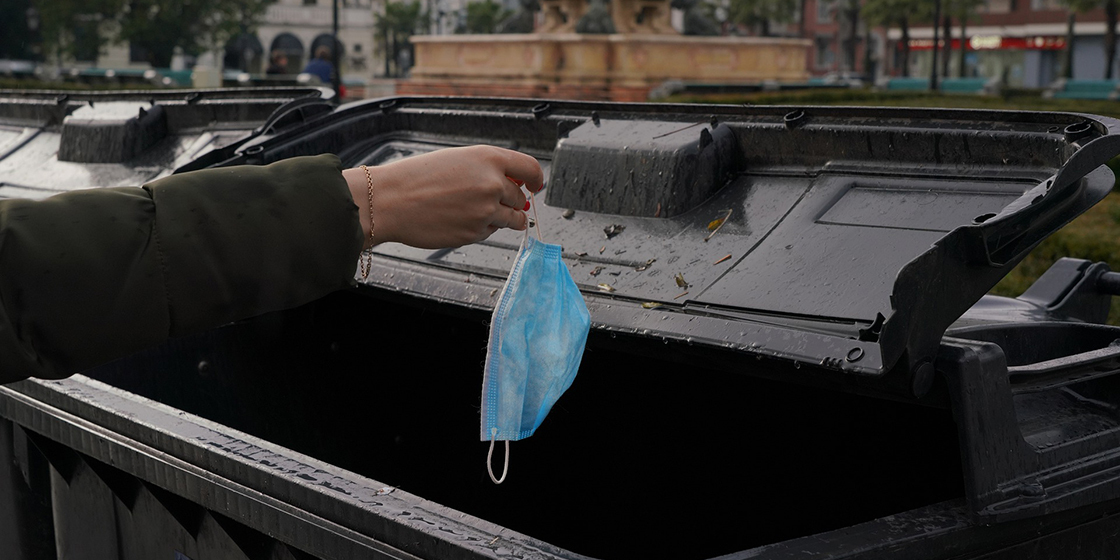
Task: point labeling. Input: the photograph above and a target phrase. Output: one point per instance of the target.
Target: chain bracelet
(367, 254)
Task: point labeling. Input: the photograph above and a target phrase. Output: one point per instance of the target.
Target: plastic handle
(1066, 370)
(1005, 237)
(1109, 283)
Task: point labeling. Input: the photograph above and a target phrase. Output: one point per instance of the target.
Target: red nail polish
(526, 205)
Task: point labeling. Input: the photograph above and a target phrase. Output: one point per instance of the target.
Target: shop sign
(996, 42)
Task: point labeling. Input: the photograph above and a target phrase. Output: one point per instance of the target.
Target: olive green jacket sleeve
(94, 275)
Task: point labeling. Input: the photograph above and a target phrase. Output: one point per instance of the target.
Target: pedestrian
(321, 65)
(97, 274)
(278, 63)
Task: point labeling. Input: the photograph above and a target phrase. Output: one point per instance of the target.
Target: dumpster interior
(652, 440)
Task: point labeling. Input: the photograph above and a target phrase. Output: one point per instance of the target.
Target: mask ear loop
(490, 455)
(533, 199)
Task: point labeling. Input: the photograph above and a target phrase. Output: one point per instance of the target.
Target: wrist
(359, 185)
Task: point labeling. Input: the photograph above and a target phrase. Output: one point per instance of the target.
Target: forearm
(90, 276)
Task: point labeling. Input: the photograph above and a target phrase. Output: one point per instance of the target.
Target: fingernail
(526, 205)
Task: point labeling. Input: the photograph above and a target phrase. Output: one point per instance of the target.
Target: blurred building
(843, 46)
(294, 27)
(1020, 41)
(298, 27)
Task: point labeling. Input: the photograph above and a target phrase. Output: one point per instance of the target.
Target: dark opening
(645, 456)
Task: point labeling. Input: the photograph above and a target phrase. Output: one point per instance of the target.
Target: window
(1042, 5)
(997, 7)
(87, 42)
(825, 57)
(825, 9)
(137, 53)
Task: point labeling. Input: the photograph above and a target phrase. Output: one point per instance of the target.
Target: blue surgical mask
(537, 337)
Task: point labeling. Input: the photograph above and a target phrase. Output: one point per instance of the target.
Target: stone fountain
(560, 62)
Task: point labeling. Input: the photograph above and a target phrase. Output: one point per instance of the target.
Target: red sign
(996, 42)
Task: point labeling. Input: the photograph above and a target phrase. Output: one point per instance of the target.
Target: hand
(447, 198)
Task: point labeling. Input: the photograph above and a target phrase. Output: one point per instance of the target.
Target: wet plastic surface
(769, 269)
(52, 142)
(852, 237)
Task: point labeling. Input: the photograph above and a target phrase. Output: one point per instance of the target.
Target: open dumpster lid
(841, 238)
(853, 236)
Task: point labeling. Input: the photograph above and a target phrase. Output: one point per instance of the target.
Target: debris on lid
(615, 273)
(679, 278)
(722, 259)
(613, 230)
(601, 249)
(493, 292)
(584, 254)
(604, 287)
(532, 222)
(679, 296)
(568, 214)
(652, 305)
(596, 271)
(715, 225)
(647, 264)
(657, 214)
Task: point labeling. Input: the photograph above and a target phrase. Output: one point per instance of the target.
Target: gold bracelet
(367, 254)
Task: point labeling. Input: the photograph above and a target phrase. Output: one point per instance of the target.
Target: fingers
(525, 169)
(509, 218)
(512, 195)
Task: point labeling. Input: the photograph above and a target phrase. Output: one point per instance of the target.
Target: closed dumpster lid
(54, 141)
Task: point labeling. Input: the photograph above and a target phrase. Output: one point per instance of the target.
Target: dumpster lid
(842, 238)
(54, 141)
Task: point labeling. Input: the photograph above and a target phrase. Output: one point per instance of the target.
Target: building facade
(1022, 42)
(842, 44)
(295, 28)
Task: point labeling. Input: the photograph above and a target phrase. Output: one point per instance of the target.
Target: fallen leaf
(680, 280)
(651, 305)
(604, 287)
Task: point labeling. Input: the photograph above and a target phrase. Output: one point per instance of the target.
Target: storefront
(1031, 62)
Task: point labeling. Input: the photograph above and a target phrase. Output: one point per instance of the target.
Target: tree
(1074, 7)
(160, 26)
(848, 11)
(1111, 7)
(394, 27)
(73, 28)
(18, 31)
(947, 34)
(484, 17)
(902, 13)
(759, 14)
(963, 10)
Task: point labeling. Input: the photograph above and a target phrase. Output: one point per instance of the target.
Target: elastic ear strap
(490, 455)
(535, 218)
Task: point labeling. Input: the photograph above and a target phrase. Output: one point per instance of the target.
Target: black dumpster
(791, 354)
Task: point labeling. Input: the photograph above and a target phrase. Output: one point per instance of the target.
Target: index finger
(525, 169)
